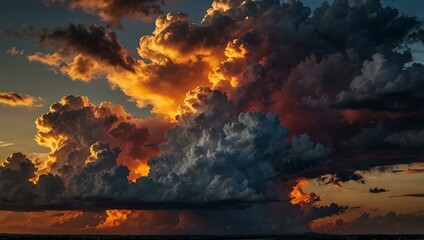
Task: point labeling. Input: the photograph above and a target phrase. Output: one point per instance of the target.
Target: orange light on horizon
(414, 171)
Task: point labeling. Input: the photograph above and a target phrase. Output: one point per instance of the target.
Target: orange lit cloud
(300, 197)
(74, 124)
(19, 100)
(49, 222)
(79, 67)
(114, 218)
(180, 61)
(68, 215)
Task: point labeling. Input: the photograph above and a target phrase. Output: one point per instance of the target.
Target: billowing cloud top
(213, 158)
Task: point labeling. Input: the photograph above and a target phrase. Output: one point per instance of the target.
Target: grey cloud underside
(385, 86)
(348, 168)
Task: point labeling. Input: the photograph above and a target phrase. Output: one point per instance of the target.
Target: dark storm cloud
(332, 209)
(349, 166)
(18, 193)
(15, 173)
(279, 218)
(385, 86)
(342, 176)
(93, 41)
(74, 124)
(326, 67)
(113, 11)
(81, 52)
(213, 158)
(215, 154)
(347, 175)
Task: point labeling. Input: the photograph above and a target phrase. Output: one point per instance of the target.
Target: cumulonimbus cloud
(352, 70)
(236, 50)
(74, 124)
(213, 158)
(258, 93)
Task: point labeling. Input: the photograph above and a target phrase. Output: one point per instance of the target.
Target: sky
(211, 117)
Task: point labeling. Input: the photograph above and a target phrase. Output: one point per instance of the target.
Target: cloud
(413, 171)
(5, 144)
(385, 86)
(239, 168)
(391, 223)
(212, 158)
(278, 219)
(222, 156)
(342, 176)
(236, 48)
(101, 177)
(85, 53)
(418, 195)
(114, 218)
(256, 95)
(407, 138)
(113, 11)
(73, 124)
(15, 186)
(299, 196)
(304, 149)
(19, 100)
(385, 136)
(13, 51)
(81, 52)
(377, 190)
(49, 222)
